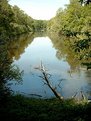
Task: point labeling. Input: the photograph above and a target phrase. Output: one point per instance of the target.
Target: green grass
(20, 108)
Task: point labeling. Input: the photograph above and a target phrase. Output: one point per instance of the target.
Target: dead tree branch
(45, 76)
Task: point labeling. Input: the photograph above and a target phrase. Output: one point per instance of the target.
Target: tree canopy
(74, 23)
(14, 21)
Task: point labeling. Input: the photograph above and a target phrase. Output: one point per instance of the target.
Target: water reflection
(66, 49)
(19, 44)
(8, 71)
(58, 58)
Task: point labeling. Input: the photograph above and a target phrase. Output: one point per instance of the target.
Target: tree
(74, 23)
(8, 72)
(13, 21)
(39, 25)
(6, 17)
(86, 2)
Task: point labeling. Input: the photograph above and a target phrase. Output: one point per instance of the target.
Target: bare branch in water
(46, 76)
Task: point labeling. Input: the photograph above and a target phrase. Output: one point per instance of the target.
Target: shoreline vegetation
(74, 23)
(21, 108)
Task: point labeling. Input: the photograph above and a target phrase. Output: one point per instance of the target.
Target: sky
(40, 9)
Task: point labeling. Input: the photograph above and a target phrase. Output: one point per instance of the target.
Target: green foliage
(74, 22)
(8, 72)
(22, 22)
(13, 21)
(21, 108)
(74, 18)
(39, 25)
(6, 17)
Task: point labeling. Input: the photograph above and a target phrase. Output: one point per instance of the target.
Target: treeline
(74, 22)
(74, 18)
(13, 21)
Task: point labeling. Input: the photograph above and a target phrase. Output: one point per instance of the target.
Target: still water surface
(42, 49)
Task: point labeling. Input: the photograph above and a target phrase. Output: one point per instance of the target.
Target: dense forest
(14, 21)
(72, 27)
(74, 23)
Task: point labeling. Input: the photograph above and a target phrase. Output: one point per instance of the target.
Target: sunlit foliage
(74, 23)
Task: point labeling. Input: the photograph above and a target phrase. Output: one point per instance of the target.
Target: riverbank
(29, 109)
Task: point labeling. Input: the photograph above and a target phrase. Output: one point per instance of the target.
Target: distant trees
(22, 22)
(13, 21)
(39, 25)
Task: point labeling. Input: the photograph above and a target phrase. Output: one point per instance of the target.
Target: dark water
(29, 53)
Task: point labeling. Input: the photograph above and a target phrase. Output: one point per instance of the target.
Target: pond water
(43, 49)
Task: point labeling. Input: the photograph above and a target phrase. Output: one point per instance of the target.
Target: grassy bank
(25, 109)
